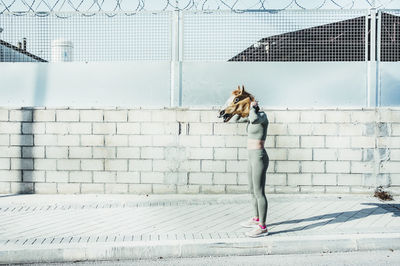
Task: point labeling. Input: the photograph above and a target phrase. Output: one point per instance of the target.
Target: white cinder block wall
(191, 151)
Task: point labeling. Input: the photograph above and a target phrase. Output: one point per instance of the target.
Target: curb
(200, 248)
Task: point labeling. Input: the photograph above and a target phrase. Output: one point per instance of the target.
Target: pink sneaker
(249, 223)
(258, 232)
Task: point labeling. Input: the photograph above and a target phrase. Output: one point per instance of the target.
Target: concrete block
(57, 176)
(92, 140)
(140, 188)
(21, 140)
(152, 178)
(116, 188)
(80, 152)
(212, 189)
(300, 129)
(20, 115)
(287, 166)
(128, 177)
(201, 129)
(395, 179)
(57, 128)
(363, 116)
(362, 167)
(23, 188)
(325, 130)
(57, 152)
(115, 165)
(227, 129)
(324, 179)
(45, 140)
(337, 117)
(128, 128)
(299, 154)
(152, 153)
(388, 167)
(10, 175)
(188, 189)
(395, 129)
(373, 180)
(165, 140)
(188, 116)
(152, 128)
(235, 141)
(225, 178)
(123, 152)
(5, 187)
(287, 142)
(80, 177)
(5, 163)
(140, 165)
(200, 153)
(236, 166)
(116, 140)
(275, 154)
(163, 115)
(68, 188)
(236, 189)
(299, 179)
(4, 140)
(69, 164)
(176, 178)
(33, 128)
(337, 189)
(337, 142)
(286, 116)
(312, 167)
(4, 114)
(337, 167)
(67, 115)
(104, 177)
(387, 115)
(80, 128)
(104, 128)
(45, 164)
(213, 141)
(92, 188)
(91, 115)
(189, 141)
(312, 117)
(210, 116)
(312, 141)
(225, 154)
(33, 176)
(189, 166)
(44, 115)
(312, 189)
(389, 142)
(91, 164)
(278, 129)
(67, 140)
(276, 179)
(7, 151)
(115, 115)
(325, 154)
(201, 178)
(138, 140)
(243, 155)
(45, 188)
(164, 189)
(362, 142)
(21, 164)
(212, 166)
(351, 129)
(349, 154)
(287, 189)
(350, 179)
(395, 154)
(10, 127)
(139, 115)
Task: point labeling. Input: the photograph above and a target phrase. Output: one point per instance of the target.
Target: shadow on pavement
(339, 217)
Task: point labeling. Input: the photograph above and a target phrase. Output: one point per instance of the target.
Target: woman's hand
(254, 104)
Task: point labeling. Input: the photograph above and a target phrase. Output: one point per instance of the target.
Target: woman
(257, 167)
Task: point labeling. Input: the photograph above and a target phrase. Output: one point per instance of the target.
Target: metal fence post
(176, 59)
(378, 60)
(372, 64)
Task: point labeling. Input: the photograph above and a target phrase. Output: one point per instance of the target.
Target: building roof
(21, 51)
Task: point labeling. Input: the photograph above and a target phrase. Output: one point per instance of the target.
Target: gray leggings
(256, 169)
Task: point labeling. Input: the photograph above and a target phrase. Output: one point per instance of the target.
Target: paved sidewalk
(54, 228)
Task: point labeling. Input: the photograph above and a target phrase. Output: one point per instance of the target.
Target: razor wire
(129, 7)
